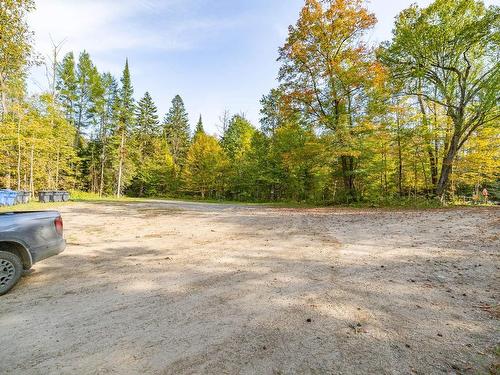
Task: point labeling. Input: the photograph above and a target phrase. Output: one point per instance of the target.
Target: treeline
(414, 117)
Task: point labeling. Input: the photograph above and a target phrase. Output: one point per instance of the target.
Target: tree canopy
(416, 117)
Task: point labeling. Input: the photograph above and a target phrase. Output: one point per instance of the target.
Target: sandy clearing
(186, 288)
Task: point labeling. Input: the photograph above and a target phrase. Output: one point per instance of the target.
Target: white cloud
(110, 25)
(112, 29)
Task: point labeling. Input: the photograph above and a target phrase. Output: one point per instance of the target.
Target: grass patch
(81, 196)
(404, 203)
(34, 206)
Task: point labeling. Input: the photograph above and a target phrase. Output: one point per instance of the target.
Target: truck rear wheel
(11, 270)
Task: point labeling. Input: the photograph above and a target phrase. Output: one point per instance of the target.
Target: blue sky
(216, 54)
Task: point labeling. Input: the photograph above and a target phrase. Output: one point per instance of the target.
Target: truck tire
(11, 270)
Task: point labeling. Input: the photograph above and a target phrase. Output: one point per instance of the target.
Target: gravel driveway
(164, 287)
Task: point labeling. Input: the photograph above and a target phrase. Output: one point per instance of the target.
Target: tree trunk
(385, 173)
(447, 166)
(400, 158)
(19, 154)
(433, 165)
(348, 176)
(58, 157)
(430, 150)
(141, 158)
(120, 166)
(32, 183)
(3, 94)
(103, 161)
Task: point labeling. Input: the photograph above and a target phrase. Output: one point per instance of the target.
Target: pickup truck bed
(25, 239)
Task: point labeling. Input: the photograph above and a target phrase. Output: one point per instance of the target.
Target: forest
(416, 117)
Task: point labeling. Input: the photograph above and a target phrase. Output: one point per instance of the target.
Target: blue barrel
(3, 197)
(9, 197)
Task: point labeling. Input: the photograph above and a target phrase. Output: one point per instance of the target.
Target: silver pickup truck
(25, 239)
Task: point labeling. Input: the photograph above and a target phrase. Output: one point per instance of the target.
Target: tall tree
(204, 163)
(147, 135)
(272, 111)
(15, 48)
(328, 72)
(97, 118)
(146, 117)
(176, 127)
(199, 128)
(107, 124)
(86, 74)
(15, 58)
(238, 136)
(236, 143)
(125, 121)
(447, 54)
(67, 86)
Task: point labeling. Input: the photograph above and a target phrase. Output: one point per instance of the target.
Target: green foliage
(329, 74)
(205, 162)
(125, 117)
(236, 139)
(126, 100)
(347, 124)
(146, 118)
(176, 128)
(447, 55)
(15, 50)
(37, 147)
(199, 128)
(67, 86)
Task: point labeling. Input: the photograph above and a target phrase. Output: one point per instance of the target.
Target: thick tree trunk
(348, 176)
(433, 165)
(430, 150)
(447, 166)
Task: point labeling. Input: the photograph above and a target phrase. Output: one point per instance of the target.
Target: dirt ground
(191, 288)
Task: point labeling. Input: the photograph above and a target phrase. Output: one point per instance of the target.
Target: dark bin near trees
(23, 197)
(65, 196)
(8, 197)
(57, 196)
(45, 196)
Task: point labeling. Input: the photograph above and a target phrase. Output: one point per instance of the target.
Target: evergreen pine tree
(84, 77)
(176, 127)
(199, 128)
(66, 85)
(147, 123)
(125, 121)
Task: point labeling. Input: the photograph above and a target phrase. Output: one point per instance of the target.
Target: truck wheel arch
(18, 249)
